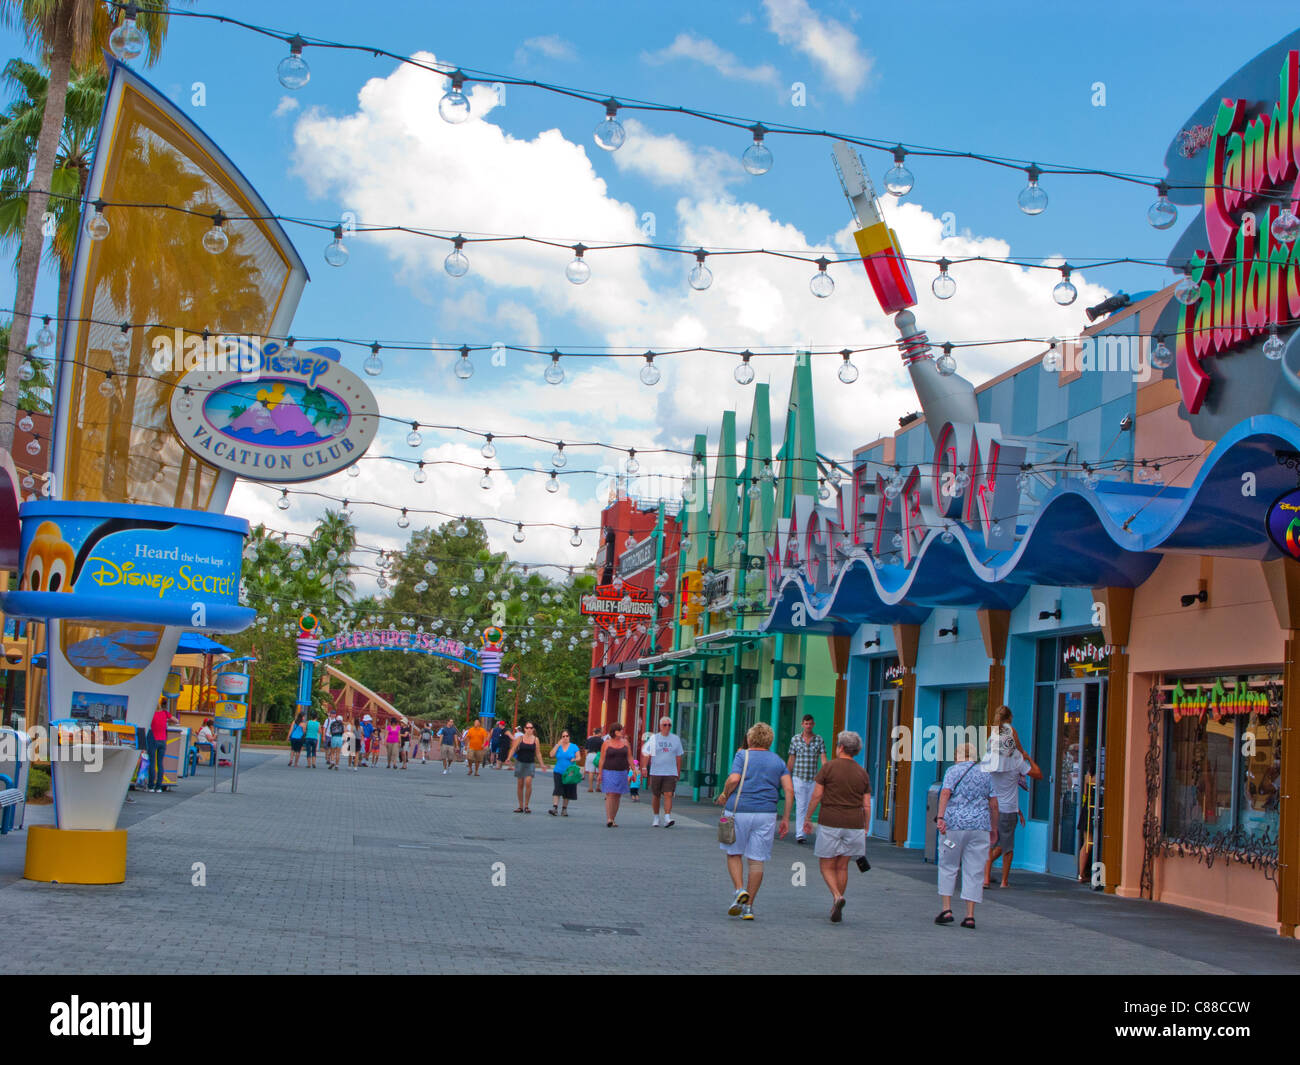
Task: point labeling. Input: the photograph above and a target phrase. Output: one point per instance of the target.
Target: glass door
(884, 769)
(709, 779)
(1077, 779)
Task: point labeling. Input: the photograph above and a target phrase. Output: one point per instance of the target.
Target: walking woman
(564, 754)
(527, 753)
(297, 734)
(615, 761)
(392, 740)
(967, 822)
(310, 739)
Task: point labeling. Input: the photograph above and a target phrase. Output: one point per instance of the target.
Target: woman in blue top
(757, 775)
(313, 736)
(296, 735)
(967, 822)
(564, 753)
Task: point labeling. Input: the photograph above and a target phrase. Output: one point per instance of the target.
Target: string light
(898, 179)
(700, 277)
(633, 467)
(650, 373)
(485, 482)
(126, 41)
(293, 70)
(1161, 357)
(97, 227)
(419, 475)
(461, 530)
(336, 252)
(848, 373)
(610, 134)
(558, 458)
(403, 522)
(518, 535)
(457, 262)
(1273, 346)
(578, 272)
(744, 372)
(488, 451)
(576, 539)
(374, 365)
(413, 438)
(945, 363)
(1187, 291)
(1065, 293)
(1286, 226)
(822, 284)
(215, 240)
(454, 105)
(283, 502)
(552, 485)
(464, 368)
(1032, 199)
(757, 158)
(1162, 214)
(943, 286)
(46, 335)
(555, 372)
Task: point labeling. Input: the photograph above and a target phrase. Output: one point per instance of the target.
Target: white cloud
(668, 160)
(831, 45)
(389, 161)
(286, 106)
(702, 50)
(552, 46)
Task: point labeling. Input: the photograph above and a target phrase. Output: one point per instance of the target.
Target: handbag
(572, 774)
(727, 825)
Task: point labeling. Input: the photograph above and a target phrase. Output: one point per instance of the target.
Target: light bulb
(823, 491)
(633, 466)
(413, 438)
(650, 373)
(960, 480)
(744, 372)
(373, 365)
(382, 581)
(518, 535)
(1090, 478)
(353, 471)
(1162, 214)
(127, 42)
(898, 179)
(552, 484)
(555, 372)
(822, 284)
(610, 134)
(293, 70)
(558, 458)
(283, 502)
(336, 252)
(575, 540)
(758, 156)
(461, 530)
(186, 403)
(945, 363)
(97, 227)
(700, 277)
(419, 475)
(688, 492)
(107, 388)
(121, 343)
(943, 286)
(431, 568)
(754, 490)
(848, 373)
(1032, 199)
(25, 423)
(485, 482)
(1161, 357)
(454, 105)
(1065, 293)
(893, 488)
(26, 371)
(215, 240)
(1023, 481)
(46, 336)
(578, 272)
(1286, 226)
(403, 522)
(947, 535)
(464, 368)
(1274, 345)
(457, 262)
(1187, 291)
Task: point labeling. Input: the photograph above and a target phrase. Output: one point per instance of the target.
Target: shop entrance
(1077, 778)
(884, 769)
(708, 779)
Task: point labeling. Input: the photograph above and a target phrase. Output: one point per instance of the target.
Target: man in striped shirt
(807, 755)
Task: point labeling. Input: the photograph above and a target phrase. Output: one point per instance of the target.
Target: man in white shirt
(665, 769)
(1007, 772)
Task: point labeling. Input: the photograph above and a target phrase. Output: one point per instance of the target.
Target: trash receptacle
(931, 829)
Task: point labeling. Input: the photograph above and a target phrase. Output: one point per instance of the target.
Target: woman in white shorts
(843, 791)
(750, 796)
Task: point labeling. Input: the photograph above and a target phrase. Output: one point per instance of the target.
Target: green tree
(69, 34)
(37, 393)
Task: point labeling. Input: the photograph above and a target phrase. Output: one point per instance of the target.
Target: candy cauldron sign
(295, 416)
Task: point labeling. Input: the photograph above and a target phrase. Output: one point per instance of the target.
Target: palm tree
(19, 127)
(69, 33)
(38, 393)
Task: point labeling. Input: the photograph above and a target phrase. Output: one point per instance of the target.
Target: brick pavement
(390, 871)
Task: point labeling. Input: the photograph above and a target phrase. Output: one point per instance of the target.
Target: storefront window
(961, 709)
(1223, 758)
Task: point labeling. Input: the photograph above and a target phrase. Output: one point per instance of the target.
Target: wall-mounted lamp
(1048, 615)
(950, 632)
(871, 643)
(1199, 597)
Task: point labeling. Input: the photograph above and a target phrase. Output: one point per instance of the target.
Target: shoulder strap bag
(727, 825)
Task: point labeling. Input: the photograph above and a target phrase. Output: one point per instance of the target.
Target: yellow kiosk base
(75, 856)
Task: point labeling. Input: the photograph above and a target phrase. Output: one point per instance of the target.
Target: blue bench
(10, 797)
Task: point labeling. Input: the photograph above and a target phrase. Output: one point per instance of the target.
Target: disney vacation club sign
(285, 415)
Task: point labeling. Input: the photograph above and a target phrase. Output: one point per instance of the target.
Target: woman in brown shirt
(842, 789)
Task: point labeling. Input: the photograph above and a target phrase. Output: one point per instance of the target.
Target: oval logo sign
(283, 415)
(1283, 523)
(232, 683)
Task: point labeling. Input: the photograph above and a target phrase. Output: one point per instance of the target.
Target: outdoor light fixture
(758, 156)
(822, 284)
(950, 632)
(1201, 596)
(1049, 615)
(1126, 424)
(871, 643)
(700, 277)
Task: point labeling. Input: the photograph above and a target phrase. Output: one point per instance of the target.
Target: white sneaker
(669, 822)
(656, 824)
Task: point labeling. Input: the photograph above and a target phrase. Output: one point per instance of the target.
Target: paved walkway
(390, 871)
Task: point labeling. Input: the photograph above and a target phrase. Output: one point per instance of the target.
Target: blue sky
(1006, 79)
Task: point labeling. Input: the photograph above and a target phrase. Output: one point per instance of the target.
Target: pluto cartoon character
(50, 561)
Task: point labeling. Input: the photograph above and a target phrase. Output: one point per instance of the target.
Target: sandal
(527, 810)
(968, 922)
(564, 813)
(519, 809)
(609, 824)
(553, 812)
(944, 918)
